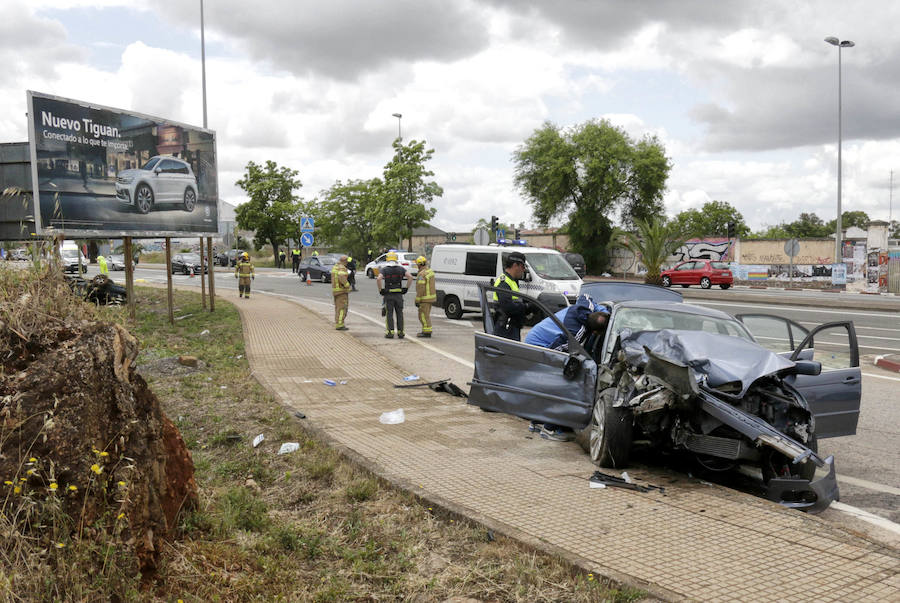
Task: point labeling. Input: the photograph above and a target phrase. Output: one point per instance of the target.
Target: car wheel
(607, 438)
(724, 286)
(143, 198)
(666, 281)
(185, 270)
(705, 283)
(685, 286)
(452, 307)
(369, 273)
(190, 199)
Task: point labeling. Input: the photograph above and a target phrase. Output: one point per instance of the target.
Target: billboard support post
(169, 280)
(202, 278)
(129, 277)
(212, 280)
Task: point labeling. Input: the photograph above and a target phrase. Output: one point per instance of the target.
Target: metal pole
(891, 201)
(837, 230)
(129, 277)
(169, 297)
(212, 280)
(202, 277)
(203, 60)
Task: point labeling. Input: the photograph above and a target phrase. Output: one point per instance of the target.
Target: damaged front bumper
(812, 496)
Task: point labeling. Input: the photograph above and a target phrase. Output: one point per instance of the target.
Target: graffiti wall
(712, 248)
(813, 252)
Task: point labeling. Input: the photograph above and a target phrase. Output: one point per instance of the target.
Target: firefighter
(104, 267)
(425, 295)
(243, 271)
(391, 277)
(340, 289)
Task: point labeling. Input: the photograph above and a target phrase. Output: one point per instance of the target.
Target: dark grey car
(687, 378)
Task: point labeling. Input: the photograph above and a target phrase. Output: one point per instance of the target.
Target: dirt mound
(74, 413)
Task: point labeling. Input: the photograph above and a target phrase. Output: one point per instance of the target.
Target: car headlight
(125, 179)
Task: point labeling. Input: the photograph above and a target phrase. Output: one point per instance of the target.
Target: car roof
(675, 307)
(616, 291)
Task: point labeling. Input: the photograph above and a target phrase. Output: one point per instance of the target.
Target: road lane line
(875, 520)
(881, 376)
(794, 308)
(864, 483)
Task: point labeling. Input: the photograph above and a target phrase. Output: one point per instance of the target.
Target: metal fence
(894, 271)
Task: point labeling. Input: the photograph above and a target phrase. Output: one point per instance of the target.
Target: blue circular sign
(306, 239)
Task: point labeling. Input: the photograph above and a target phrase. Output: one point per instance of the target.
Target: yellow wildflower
(104, 454)
(32, 460)
(120, 516)
(29, 472)
(17, 490)
(96, 468)
(8, 483)
(60, 545)
(73, 488)
(120, 484)
(54, 485)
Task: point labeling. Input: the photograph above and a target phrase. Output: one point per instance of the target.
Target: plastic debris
(343, 382)
(299, 415)
(411, 378)
(223, 387)
(596, 484)
(329, 382)
(204, 332)
(627, 478)
(239, 356)
(614, 481)
(289, 447)
(258, 440)
(392, 417)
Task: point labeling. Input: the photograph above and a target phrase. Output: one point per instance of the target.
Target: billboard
(104, 172)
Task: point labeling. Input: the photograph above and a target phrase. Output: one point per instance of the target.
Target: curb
(890, 363)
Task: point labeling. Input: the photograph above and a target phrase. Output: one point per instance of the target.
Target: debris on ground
(393, 417)
(442, 385)
(604, 480)
(289, 447)
(258, 440)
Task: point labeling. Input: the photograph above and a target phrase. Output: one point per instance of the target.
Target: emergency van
(459, 268)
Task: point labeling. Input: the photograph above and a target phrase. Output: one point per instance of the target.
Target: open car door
(529, 381)
(834, 395)
(775, 333)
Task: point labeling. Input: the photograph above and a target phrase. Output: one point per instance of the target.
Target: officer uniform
(426, 295)
(351, 268)
(295, 259)
(243, 271)
(511, 309)
(340, 289)
(281, 258)
(393, 288)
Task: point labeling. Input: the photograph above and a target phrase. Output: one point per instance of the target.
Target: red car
(705, 273)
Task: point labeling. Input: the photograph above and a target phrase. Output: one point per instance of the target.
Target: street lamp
(398, 116)
(837, 231)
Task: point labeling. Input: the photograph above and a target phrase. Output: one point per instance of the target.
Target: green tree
(894, 229)
(588, 173)
(770, 232)
(652, 242)
(347, 215)
(859, 219)
(272, 209)
(712, 220)
(807, 225)
(406, 192)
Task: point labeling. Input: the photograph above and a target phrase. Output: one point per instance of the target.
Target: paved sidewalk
(696, 541)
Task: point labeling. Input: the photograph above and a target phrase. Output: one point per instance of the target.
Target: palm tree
(653, 241)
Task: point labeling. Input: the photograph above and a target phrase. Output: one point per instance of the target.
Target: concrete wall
(814, 252)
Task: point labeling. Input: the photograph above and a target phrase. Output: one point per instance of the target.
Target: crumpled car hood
(721, 358)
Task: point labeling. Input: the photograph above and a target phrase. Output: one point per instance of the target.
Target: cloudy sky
(742, 94)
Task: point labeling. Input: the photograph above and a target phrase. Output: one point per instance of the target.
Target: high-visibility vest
(244, 269)
(425, 289)
(104, 268)
(339, 282)
(513, 285)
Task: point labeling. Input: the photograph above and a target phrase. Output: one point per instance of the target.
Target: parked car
(318, 266)
(228, 258)
(188, 263)
(162, 180)
(116, 262)
(576, 261)
(705, 273)
(70, 257)
(687, 379)
(404, 258)
(19, 255)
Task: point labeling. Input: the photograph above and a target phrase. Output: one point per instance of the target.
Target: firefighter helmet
(391, 256)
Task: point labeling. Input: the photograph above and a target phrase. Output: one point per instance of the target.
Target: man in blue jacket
(581, 319)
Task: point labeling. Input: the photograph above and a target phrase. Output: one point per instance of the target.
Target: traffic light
(494, 227)
(731, 229)
(517, 235)
(451, 236)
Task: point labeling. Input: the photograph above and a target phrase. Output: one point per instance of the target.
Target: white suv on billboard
(160, 180)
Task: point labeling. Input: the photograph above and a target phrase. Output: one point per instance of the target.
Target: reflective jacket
(340, 282)
(509, 306)
(425, 291)
(243, 269)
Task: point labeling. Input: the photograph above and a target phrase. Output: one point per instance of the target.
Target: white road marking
(864, 483)
(794, 308)
(881, 376)
(875, 520)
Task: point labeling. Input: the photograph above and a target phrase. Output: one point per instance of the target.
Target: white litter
(289, 447)
(392, 417)
(627, 478)
(596, 485)
(239, 356)
(204, 332)
(223, 387)
(343, 383)
(258, 440)
(411, 378)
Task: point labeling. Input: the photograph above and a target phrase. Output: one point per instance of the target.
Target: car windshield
(645, 319)
(70, 254)
(191, 257)
(327, 260)
(551, 266)
(720, 265)
(151, 164)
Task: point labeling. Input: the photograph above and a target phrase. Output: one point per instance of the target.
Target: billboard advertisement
(106, 172)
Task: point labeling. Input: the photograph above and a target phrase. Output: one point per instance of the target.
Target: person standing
(511, 309)
(340, 289)
(295, 260)
(390, 285)
(281, 258)
(351, 269)
(104, 267)
(243, 271)
(426, 295)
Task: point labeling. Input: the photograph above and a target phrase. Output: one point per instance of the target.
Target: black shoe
(342, 328)
(400, 335)
(388, 335)
(423, 335)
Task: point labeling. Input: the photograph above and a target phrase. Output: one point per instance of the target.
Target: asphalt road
(868, 464)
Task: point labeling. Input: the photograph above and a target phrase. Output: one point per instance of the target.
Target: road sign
(307, 224)
(482, 237)
(501, 234)
(792, 247)
(306, 239)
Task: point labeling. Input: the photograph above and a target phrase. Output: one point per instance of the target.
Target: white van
(459, 268)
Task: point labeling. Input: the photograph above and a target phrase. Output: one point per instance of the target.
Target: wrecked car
(686, 378)
(99, 290)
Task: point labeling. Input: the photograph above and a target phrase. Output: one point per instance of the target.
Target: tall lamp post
(399, 135)
(837, 231)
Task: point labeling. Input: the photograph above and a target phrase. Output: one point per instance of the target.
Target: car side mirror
(807, 367)
(157, 171)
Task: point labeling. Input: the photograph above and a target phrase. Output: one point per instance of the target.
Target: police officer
(243, 271)
(340, 289)
(511, 309)
(390, 284)
(426, 295)
(295, 259)
(281, 258)
(351, 268)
